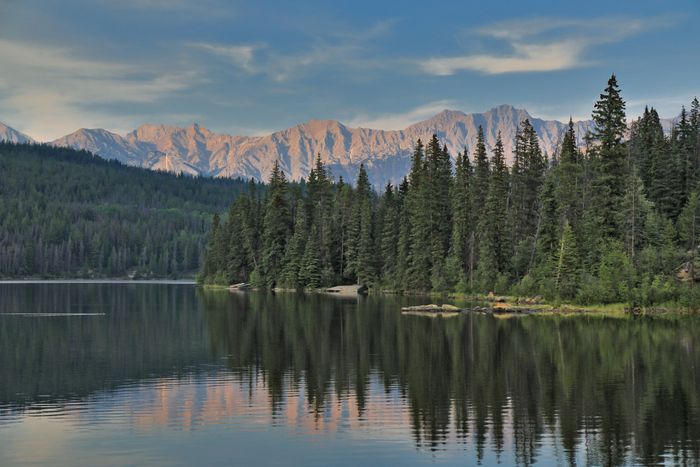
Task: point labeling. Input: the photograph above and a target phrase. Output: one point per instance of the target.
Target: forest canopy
(67, 213)
(613, 219)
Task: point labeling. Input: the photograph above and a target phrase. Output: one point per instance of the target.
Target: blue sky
(255, 67)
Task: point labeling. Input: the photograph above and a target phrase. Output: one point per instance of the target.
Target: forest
(67, 213)
(612, 216)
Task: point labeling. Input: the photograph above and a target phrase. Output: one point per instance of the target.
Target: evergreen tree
(569, 188)
(482, 173)
(296, 248)
(548, 219)
(493, 229)
(610, 155)
(390, 235)
(682, 145)
(437, 204)
(634, 209)
(276, 227)
(460, 250)
(360, 264)
(310, 272)
(404, 236)
(420, 242)
(567, 264)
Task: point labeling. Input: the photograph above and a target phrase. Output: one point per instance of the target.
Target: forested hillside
(67, 213)
(611, 222)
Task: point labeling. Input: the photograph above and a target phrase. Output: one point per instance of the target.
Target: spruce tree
(296, 248)
(548, 223)
(310, 272)
(493, 229)
(569, 183)
(567, 264)
(437, 205)
(276, 227)
(390, 235)
(360, 233)
(610, 126)
(418, 273)
(458, 260)
(404, 236)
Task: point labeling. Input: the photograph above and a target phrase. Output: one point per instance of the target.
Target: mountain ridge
(13, 136)
(195, 150)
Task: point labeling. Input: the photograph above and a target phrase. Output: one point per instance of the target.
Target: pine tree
(319, 207)
(211, 258)
(296, 248)
(482, 173)
(569, 183)
(276, 227)
(682, 145)
(390, 235)
(360, 232)
(634, 209)
(366, 271)
(437, 204)
(695, 133)
(419, 255)
(610, 127)
(493, 229)
(548, 220)
(458, 260)
(404, 237)
(527, 175)
(567, 264)
(310, 272)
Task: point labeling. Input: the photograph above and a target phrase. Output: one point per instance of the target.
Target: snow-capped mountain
(386, 153)
(12, 135)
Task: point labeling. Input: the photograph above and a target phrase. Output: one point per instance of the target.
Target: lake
(169, 374)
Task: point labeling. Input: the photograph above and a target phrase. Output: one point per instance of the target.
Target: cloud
(336, 50)
(400, 121)
(50, 90)
(525, 58)
(240, 55)
(540, 44)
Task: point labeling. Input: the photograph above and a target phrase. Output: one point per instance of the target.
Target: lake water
(167, 374)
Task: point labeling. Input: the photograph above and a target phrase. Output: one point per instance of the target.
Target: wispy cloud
(240, 55)
(540, 44)
(50, 90)
(337, 50)
(401, 120)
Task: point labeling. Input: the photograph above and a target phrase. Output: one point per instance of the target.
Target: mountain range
(386, 153)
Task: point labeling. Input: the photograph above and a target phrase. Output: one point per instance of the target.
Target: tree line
(67, 213)
(605, 219)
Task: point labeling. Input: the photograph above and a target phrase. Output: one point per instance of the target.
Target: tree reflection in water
(622, 389)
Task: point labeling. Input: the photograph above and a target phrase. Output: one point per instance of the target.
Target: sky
(258, 66)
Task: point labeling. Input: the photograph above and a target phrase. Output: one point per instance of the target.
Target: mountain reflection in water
(166, 360)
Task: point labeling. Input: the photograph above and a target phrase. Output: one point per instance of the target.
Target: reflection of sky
(223, 419)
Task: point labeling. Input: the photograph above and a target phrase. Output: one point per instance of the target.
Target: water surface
(167, 374)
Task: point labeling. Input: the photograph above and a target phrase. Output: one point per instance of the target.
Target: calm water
(166, 374)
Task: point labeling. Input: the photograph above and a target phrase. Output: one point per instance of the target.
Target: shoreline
(516, 305)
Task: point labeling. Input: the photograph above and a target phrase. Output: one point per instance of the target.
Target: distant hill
(68, 213)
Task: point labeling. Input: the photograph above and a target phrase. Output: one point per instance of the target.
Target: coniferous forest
(67, 213)
(612, 216)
